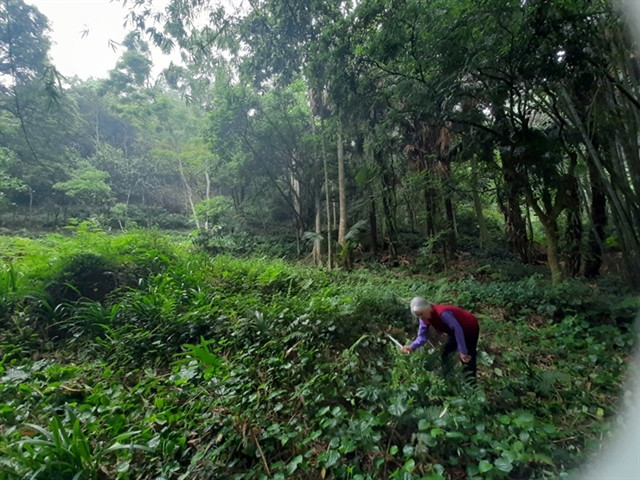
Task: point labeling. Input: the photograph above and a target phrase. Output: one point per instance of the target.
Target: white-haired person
(460, 326)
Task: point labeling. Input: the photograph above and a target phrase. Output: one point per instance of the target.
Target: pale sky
(91, 55)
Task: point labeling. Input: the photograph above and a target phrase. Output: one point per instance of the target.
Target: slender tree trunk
(207, 193)
(345, 253)
(573, 238)
(317, 244)
(452, 246)
(189, 193)
(317, 202)
(30, 202)
(550, 226)
(373, 223)
(295, 189)
(327, 201)
(388, 211)
(430, 211)
(207, 186)
(593, 257)
(529, 230)
(334, 217)
(477, 205)
(342, 194)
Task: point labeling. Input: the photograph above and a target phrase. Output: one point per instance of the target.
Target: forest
(200, 267)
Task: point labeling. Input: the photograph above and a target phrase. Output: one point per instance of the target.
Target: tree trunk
(327, 201)
(317, 244)
(548, 207)
(30, 203)
(342, 194)
(207, 189)
(515, 227)
(477, 206)
(452, 246)
(573, 231)
(373, 223)
(345, 246)
(573, 238)
(550, 226)
(593, 257)
(389, 217)
(430, 207)
(387, 200)
(189, 193)
(295, 193)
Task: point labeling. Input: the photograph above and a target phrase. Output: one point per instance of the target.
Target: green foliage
(8, 183)
(216, 212)
(214, 242)
(87, 185)
(533, 296)
(64, 451)
(222, 367)
(242, 244)
(85, 275)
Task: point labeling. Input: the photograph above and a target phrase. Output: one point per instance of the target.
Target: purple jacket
(450, 320)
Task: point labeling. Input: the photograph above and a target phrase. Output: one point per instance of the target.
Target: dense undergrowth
(139, 357)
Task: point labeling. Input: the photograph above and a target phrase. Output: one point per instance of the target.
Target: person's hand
(406, 349)
(465, 358)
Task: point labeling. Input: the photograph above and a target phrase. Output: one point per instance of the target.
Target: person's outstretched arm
(421, 338)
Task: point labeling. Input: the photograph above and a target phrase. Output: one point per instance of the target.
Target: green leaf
(122, 467)
(397, 409)
(503, 465)
(524, 417)
(129, 446)
(332, 458)
(504, 419)
(409, 465)
(5, 409)
(323, 410)
(293, 464)
(484, 466)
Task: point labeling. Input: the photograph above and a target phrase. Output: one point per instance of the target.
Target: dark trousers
(451, 347)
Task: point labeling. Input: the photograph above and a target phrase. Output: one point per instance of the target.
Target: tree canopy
(450, 120)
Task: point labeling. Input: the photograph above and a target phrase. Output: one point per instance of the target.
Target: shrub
(87, 275)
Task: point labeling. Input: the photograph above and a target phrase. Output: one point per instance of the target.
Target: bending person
(461, 327)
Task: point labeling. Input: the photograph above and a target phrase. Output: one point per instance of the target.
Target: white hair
(419, 304)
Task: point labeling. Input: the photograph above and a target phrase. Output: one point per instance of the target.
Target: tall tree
(39, 124)
(25, 70)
